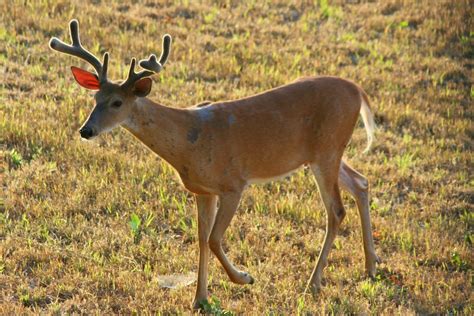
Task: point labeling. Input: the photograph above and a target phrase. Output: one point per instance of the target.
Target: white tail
(368, 119)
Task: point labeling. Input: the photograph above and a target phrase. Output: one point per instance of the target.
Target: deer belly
(269, 179)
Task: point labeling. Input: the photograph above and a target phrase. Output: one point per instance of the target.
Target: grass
(86, 227)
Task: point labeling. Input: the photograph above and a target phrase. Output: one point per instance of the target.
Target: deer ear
(85, 78)
(142, 87)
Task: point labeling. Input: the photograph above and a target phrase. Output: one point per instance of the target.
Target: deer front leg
(206, 206)
(228, 206)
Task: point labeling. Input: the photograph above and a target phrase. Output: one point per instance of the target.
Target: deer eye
(116, 104)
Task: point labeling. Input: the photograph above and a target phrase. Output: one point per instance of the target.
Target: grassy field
(87, 227)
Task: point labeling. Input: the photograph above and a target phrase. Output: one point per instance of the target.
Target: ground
(87, 227)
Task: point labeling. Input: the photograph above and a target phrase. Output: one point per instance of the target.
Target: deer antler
(151, 65)
(76, 49)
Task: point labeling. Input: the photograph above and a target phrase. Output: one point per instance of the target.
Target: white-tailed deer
(220, 148)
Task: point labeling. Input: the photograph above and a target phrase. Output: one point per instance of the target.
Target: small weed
(404, 162)
(467, 39)
(382, 210)
(368, 289)
(16, 158)
(148, 270)
(405, 241)
(260, 208)
(25, 299)
(7, 37)
(403, 24)
(301, 305)
(338, 306)
(328, 11)
(467, 218)
(3, 33)
(469, 238)
(44, 233)
(214, 308)
(211, 16)
(135, 227)
(458, 262)
(25, 221)
(138, 225)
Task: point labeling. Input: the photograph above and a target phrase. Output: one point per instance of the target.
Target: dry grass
(65, 241)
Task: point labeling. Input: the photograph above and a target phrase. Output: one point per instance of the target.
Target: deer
(220, 148)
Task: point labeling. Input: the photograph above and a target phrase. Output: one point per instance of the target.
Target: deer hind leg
(228, 206)
(207, 206)
(358, 186)
(326, 177)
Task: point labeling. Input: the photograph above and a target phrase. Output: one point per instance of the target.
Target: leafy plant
(138, 225)
(328, 11)
(458, 262)
(214, 307)
(16, 158)
(405, 162)
(135, 227)
(403, 24)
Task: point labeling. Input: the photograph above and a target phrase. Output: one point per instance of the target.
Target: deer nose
(86, 132)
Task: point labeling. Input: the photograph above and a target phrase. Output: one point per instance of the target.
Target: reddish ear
(85, 78)
(142, 87)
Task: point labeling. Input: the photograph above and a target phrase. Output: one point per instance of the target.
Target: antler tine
(76, 49)
(134, 76)
(166, 49)
(151, 63)
(105, 65)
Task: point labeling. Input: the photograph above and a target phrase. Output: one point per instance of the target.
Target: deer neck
(162, 129)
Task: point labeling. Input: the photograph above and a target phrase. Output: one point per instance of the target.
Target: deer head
(113, 101)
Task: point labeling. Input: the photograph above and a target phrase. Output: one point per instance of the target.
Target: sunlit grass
(87, 227)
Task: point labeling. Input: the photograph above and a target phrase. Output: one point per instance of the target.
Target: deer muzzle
(87, 132)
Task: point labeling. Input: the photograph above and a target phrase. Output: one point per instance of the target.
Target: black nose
(86, 132)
